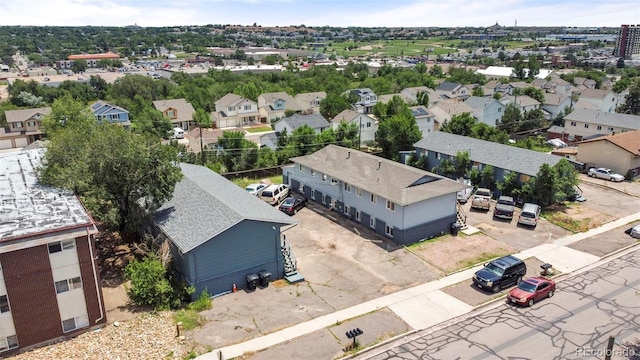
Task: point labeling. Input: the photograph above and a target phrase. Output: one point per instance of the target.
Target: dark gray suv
(500, 273)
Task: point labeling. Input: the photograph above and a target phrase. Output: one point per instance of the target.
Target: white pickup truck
(481, 199)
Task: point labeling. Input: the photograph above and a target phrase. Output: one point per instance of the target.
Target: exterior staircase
(461, 216)
(291, 273)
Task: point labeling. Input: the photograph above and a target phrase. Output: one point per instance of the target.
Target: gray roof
(315, 121)
(448, 86)
(478, 103)
(502, 156)
(420, 111)
(228, 100)
(626, 121)
(391, 180)
(290, 102)
(24, 114)
(28, 208)
(205, 204)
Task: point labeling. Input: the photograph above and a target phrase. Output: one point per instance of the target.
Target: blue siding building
(219, 233)
(110, 113)
(401, 202)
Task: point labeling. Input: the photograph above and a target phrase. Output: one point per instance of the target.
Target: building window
(610, 129)
(171, 114)
(586, 126)
(368, 124)
(347, 210)
(334, 181)
(347, 187)
(573, 123)
(11, 342)
(75, 323)
(313, 194)
(300, 168)
(247, 107)
(599, 127)
(358, 192)
(32, 123)
(4, 304)
(388, 230)
(301, 189)
(232, 108)
(374, 198)
(115, 116)
(358, 218)
(58, 246)
(16, 125)
(324, 177)
(372, 222)
(391, 205)
(69, 284)
(324, 199)
(313, 172)
(438, 156)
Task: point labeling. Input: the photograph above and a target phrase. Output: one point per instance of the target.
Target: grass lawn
(258, 129)
(277, 179)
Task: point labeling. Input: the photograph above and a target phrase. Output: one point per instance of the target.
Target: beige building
(619, 152)
(179, 111)
(23, 127)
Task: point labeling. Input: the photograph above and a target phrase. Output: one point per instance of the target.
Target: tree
(422, 98)
(478, 92)
(249, 90)
(488, 179)
(509, 184)
(534, 93)
(461, 163)
(79, 66)
(543, 190)
(396, 134)
(534, 67)
(202, 119)
(511, 118)
(566, 180)
(461, 124)
(631, 104)
(436, 71)
(620, 63)
(332, 105)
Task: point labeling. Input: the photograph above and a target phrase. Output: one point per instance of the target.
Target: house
(388, 97)
(452, 90)
(49, 277)
(310, 102)
(583, 124)
(104, 111)
(366, 100)
(523, 102)
(315, 121)
(486, 109)
(410, 95)
(235, 111)
(269, 140)
(603, 100)
(367, 124)
(556, 103)
(179, 111)
(619, 152)
(205, 138)
(219, 233)
(438, 146)
(446, 109)
(23, 127)
(398, 201)
(425, 119)
(272, 106)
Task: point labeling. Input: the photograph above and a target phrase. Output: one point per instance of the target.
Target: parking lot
(345, 264)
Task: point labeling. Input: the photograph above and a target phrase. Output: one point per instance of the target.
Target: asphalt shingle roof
(315, 121)
(626, 121)
(502, 156)
(24, 114)
(629, 141)
(205, 204)
(391, 180)
(183, 108)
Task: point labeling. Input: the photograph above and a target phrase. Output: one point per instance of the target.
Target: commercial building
(628, 42)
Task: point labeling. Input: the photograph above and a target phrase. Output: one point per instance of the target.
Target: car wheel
(612, 179)
(550, 293)
(496, 288)
(295, 211)
(518, 280)
(530, 303)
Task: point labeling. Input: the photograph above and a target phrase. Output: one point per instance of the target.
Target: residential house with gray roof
(555, 103)
(367, 124)
(272, 106)
(603, 100)
(219, 233)
(486, 109)
(400, 202)
(367, 99)
(425, 119)
(583, 124)
(438, 146)
(446, 109)
(23, 127)
(179, 111)
(113, 114)
(315, 121)
(410, 95)
(523, 102)
(235, 111)
(310, 102)
(452, 90)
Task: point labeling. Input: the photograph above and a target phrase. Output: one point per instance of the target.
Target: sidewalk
(426, 305)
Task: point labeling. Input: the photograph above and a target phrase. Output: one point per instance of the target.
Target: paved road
(574, 324)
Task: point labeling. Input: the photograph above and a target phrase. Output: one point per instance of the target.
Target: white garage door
(22, 142)
(5, 144)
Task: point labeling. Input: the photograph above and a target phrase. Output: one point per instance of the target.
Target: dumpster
(252, 281)
(455, 228)
(265, 277)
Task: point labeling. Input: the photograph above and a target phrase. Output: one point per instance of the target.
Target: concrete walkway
(426, 305)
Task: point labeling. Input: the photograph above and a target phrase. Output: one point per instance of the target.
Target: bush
(153, 285)
(202, 303)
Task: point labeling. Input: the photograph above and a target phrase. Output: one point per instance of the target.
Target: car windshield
(288, 202)
(529, 215)
(250, 189)
(494, 269)
(505, 202)
(527, 286)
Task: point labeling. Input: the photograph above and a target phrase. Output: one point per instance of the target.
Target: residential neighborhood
(265, 194)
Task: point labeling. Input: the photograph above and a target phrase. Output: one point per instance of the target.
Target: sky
(339, 13)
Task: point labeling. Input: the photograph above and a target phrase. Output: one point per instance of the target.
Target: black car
(292, 204)
(500, 273)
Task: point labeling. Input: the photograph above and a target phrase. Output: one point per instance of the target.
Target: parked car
(292, 205)
(531, 290)
(464, 194)
(274, 194)
(481, 199)
(504, 208)
(255, 189)
(634, 232)
(529, 215)
(500, 273)
(606, 174)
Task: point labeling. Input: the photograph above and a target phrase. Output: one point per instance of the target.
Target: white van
(529, 215)
(178, 133)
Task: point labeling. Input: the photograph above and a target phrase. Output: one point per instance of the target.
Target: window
(301, 189)
(388, 230)
(55, 247)
(599, 127)
(324, 199)
(10, 342)
(61, 245)
(68, 244)
(368, 124)
(324, 177)
(4, 304)
(313, 172)
(358, 192)
(573, 123)
(313, 194)
(347, 187)
(358, 218)
(75, 323)
(247, 107)
(438, 156)
(115, 116)
(391, 205)
(232, 108)
(372, 222)
(32, 123)
(374, 198)
(610, 129)
(300, 168)
(334, 181)
(69, 284)
(586, 126)
(347, 210)
(16, 125)
(171, 114)
(499, 109)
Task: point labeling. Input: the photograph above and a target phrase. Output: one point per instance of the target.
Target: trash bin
(547, 269)
(455, 228)
(265, 277)
(252, 281)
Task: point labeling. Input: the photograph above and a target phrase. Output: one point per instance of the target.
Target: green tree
(511, 118)
(543, 187)
(509, 184)
(249, 90)
(620, 63)
(152, 285)
(332, 105)
(436, 71)
(631, 104)
(566, 180)
(478, 92)
(534, 67)
(461, 124)
(79, 66)
(422, 98)
(202, 119)
(396, 134)
(488, 179)
(534, 93)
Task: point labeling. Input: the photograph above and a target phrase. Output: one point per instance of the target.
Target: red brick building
(49, 276)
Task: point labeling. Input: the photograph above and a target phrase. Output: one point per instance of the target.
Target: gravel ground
(148, 336)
